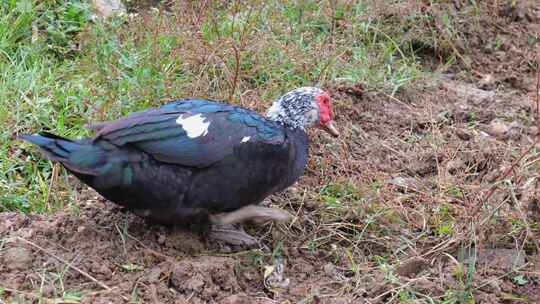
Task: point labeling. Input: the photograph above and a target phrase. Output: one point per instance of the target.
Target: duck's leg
(256, 214)
(223, 228)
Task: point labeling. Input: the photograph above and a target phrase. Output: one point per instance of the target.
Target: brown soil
(441, 145)
(105, 248)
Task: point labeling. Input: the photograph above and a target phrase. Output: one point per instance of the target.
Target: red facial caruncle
(325, 108)
(326, 113)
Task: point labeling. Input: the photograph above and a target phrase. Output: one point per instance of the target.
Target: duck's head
(303, 108)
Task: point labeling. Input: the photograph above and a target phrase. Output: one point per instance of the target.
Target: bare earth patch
(113, 257)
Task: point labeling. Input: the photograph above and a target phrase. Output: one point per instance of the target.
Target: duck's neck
(299, 143)
(292, 118)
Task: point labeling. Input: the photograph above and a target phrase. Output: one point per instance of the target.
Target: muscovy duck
(197, 160)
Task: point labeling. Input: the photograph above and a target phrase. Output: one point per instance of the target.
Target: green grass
(60, 70)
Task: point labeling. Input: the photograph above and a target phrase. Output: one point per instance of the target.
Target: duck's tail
(78, 156)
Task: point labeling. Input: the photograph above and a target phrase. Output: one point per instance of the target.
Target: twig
(391, 291)
(234, 83)
(167, 258)
(297, 215)
(122, 237)
(237, 55)
(440, 246)
(393, 98)
(54, 177)
(487, 282)
(502, 177)
(82, 272)
(517, 203)
(156, 35)
(538, 99)
(492, 213)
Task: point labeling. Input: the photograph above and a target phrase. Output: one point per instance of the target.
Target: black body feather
(147, 163)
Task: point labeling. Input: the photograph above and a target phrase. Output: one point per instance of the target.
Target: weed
(335, 195)
(131, 267)
(71, 297)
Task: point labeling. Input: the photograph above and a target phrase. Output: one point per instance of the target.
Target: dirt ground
(447, 143)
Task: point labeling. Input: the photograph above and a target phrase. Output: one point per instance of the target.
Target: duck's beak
(330, 128)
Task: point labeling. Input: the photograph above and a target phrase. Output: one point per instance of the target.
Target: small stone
(18, 258)
(425, 285)
(487, 82)
(195, 284)
(104, 270)
(250, 275)
(398, 181)
(161, 239)
(294, 190)
(412, 267)
(463, 134)
(330, 269)
(455, 165)
(533, 16)
(405, 182)
(109, 8)
(495, 285)
(311, 204)
(240, 298)
(340, 300)
(469, 92)
(153, 275)
(515, 10)
(48, 291)
(498, 128)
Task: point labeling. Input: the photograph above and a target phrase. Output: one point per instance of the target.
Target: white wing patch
(245, 139)
(274, 111)
(193, 125)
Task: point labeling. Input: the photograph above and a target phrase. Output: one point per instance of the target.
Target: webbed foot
(224, 230)
(232, 235)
